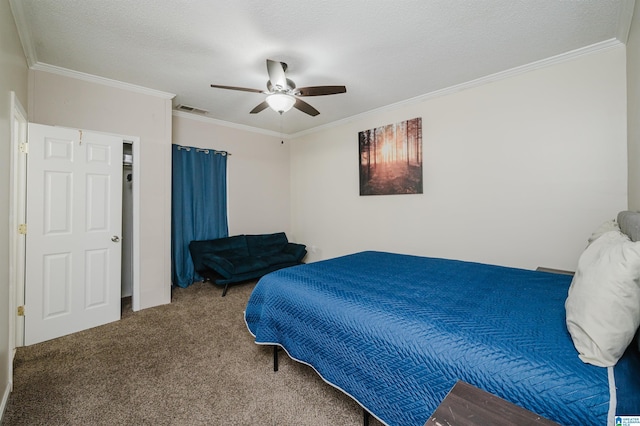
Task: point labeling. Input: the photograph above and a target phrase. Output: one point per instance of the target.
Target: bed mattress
(395, 332)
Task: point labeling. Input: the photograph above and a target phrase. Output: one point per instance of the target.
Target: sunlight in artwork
(386, 152)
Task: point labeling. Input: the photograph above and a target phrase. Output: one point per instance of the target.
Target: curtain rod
(205, 150)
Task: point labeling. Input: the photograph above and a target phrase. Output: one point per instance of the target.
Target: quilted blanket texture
(395, 332)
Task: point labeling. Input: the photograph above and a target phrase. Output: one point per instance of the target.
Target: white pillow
(609, 225)
(603, 305)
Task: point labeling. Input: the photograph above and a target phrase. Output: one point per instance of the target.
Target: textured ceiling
(383, 51)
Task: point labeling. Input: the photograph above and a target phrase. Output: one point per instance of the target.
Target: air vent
(194, 110)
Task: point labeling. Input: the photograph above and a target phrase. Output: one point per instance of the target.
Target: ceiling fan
(282, 92)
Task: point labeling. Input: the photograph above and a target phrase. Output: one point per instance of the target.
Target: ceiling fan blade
(243, 89)
(306, 108)
(321, 90)
(277, 76)
(260, 107)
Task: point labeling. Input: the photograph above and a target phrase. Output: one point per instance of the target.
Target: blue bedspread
(395, 332)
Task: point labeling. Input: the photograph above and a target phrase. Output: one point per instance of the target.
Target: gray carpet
(192, 362)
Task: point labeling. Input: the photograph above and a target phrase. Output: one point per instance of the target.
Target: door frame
(17, 215)
(18, 186)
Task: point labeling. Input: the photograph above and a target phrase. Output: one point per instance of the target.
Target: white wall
(56, 99)
(516, 172)
(257, 173)
(13, 77)
(633, 109)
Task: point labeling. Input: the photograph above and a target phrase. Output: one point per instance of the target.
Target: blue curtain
(198, 205)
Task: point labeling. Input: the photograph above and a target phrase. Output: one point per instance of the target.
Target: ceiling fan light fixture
(280, 102)
(282, 94)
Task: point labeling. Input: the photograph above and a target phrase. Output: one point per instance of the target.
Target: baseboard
(5, 399)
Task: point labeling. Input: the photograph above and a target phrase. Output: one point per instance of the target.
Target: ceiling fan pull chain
(282, 140)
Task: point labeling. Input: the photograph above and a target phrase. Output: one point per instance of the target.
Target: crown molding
(563, 57)
(65, 72)
(229, 124)
(624, 20)
(23, 31)
(32, 60)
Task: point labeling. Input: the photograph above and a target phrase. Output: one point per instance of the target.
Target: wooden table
(466, 405)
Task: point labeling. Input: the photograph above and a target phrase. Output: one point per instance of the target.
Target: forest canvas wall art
(391, 159)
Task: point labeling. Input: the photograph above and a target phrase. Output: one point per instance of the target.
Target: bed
(396, 332)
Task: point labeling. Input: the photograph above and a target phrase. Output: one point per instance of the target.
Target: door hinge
(22, 229)
(20, 311)
(24, 147)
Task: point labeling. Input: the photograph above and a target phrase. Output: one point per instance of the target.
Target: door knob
(115, 238)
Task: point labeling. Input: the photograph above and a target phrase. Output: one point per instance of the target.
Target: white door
(74, 220)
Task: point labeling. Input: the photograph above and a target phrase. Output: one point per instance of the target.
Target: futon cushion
(298, 251)
(248, 264)
(219, 264)
(266, 244)
(236, 253)
(231, 266)
(237, 245)
(279, 258)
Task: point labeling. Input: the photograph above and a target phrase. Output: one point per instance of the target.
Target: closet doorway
(127, 227)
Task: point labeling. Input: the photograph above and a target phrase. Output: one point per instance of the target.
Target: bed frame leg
(275, 357)
(224, 292)
(365, 417)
